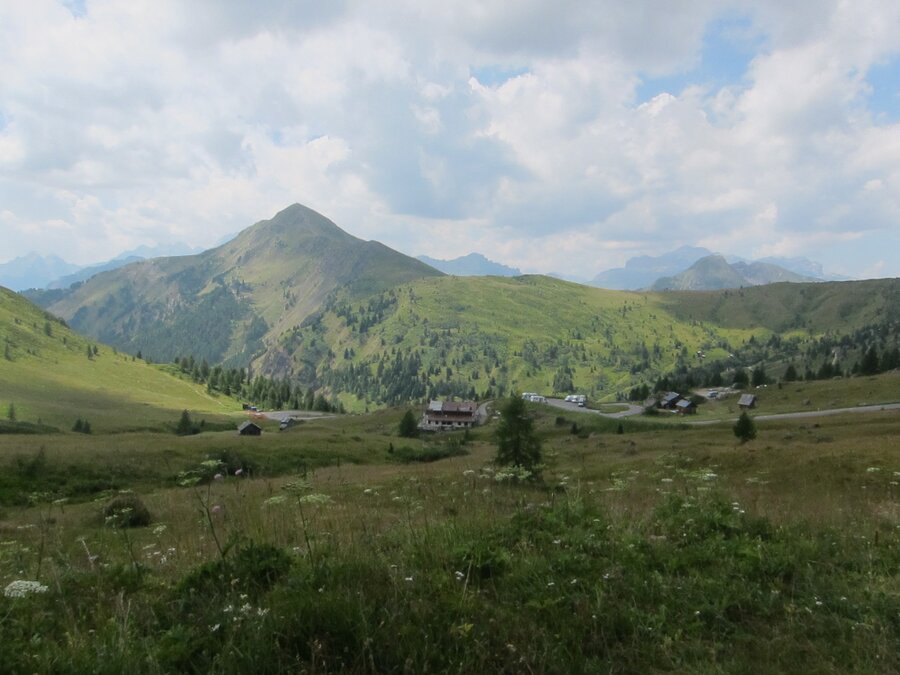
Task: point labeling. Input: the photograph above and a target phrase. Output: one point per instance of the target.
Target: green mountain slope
(226, 303)
(46, 373)
(814, 308)
(485, 336)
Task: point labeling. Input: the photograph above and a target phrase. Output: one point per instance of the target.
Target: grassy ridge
(783, 308)
(48, 376)
(507, 334)
(480, 336)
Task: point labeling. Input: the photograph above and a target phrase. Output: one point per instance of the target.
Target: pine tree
(11, 413)
(745, 428)
(185, 426)
(759, 376)
(517, 443)
(869, 363)
(408, 426)
(790, 374)
(78, 427)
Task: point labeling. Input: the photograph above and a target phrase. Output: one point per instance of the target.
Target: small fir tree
(745, 428)
(517, 442)
(409, 428)
(869, 364)
(790, 375)
(11, 412)
(185, 425)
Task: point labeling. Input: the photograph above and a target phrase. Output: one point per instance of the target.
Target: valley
(140, 530)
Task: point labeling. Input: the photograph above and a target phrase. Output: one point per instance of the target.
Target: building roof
(247, 425)
(670, 397)
(684, 403)
(462, 407)
(747, 399)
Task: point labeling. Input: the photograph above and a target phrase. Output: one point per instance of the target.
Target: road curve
(574, 407)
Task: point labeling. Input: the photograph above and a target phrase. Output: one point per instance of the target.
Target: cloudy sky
(560, 136)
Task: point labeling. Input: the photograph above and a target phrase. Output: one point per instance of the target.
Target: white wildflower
(21, 587)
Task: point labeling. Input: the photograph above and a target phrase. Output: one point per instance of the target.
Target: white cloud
(512, 128)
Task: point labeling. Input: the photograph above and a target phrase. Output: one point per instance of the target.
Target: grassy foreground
(324, 549)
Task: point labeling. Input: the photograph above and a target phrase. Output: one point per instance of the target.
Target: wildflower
(407, 578)
(216, 508)
(214, 628)
(21, 587)
(218, 476)
(238, 472)
(261, 612)
(159, 529)
(314, 498)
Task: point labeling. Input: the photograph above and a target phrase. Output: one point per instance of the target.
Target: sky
(560, 136)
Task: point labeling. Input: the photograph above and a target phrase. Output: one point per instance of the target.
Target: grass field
(665, 548)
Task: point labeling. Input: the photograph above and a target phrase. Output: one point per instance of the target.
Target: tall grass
(655, 550)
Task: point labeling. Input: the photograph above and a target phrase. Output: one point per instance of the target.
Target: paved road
(281, 415)
(813, 413)
(574, 407)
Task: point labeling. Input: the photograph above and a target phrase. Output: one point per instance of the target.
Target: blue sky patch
(729, 45)
(495, 75)
(77, 7)
(884, 99)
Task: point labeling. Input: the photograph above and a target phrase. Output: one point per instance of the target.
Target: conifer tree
(185, 425)
(408, 426)
(745, 428)
(517, 443)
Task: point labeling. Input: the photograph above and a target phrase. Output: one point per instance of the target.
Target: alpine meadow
(633, 542)
(469, 338)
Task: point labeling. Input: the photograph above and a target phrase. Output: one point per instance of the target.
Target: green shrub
(126, 510)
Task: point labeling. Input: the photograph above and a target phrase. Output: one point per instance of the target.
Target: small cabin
(747, 401)
(686, 407)
(670, 400)
(250, 429)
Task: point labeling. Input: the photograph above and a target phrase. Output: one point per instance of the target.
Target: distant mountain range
(678, 270)
(34, 271)
(38, 271)
(713, 273)
(296, 297)
(642, 271)
(472, 265)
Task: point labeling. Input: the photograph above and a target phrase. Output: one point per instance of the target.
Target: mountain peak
(471, 265)
(714, 272)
